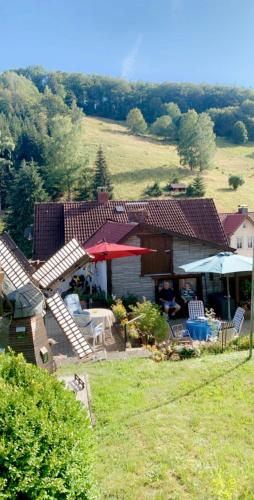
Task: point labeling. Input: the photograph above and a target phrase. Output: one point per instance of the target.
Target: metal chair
(196, 309)
(180, 334)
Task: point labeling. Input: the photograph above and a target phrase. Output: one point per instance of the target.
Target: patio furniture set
(200, 328)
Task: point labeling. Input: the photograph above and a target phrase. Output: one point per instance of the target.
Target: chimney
(102, 195)
(242, 209)
(139, 216)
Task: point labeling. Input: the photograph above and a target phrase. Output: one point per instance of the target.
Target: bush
(212, 348)
(185, 351)
(45, 436)
(119, 311)
(151, 326)
(129, 300)
(154, 190)
(241, 343)
(197, 188)
(235, 181)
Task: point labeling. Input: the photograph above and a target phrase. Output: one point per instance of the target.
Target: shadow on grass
(194, 389)
(160, 173)
(225, 190)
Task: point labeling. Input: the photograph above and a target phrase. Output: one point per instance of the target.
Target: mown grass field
(137, 162)
(174, 430)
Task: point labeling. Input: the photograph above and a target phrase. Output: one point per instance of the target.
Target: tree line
(113, 98)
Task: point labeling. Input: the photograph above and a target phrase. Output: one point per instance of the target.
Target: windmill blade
(11, 263)
(68, 326)
(62, 263)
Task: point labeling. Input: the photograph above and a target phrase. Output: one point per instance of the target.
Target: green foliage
(66, 155)
(45, 436)
(240, 134)
(129, 300)
(136, 122)
(164, 127)
(196, 146)
(102, 177)
(247, 107)
(154, 190)
(235, 181)
(186, 351)
(27, 189)
(6, 148)
(84, 189)
(171, 109)
(119, 311)
(241, 343)
(211, 348)
(197, 188)
(152, 326)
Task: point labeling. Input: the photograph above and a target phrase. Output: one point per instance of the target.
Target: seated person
(187, 293)
(167, 298)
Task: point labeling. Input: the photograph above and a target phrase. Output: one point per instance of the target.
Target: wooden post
(252, 308)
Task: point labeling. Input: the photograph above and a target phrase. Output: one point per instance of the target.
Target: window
(244, 225)
(159, 262)
(239, 243)
(44, 354)
(250, 241)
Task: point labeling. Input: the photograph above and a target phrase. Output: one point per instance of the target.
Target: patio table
(199, 330)
(104, 316)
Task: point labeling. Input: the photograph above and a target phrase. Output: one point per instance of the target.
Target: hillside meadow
(136, 162)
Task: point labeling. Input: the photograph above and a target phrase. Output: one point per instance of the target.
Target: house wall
(245, 230)
(126, 273)
(186, 251)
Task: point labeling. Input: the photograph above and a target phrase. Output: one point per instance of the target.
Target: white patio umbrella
(221, 263)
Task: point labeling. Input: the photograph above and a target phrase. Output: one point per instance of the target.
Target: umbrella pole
(252, 308)
(228, 298)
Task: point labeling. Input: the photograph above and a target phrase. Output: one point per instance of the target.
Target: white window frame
(250, 241)
(239, 243)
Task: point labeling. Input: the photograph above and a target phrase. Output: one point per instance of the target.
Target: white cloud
(129, 61)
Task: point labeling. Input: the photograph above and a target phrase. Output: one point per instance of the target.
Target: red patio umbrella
(109, 251)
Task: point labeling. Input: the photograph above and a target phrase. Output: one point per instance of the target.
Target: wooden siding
(126, 273)
(33, 340)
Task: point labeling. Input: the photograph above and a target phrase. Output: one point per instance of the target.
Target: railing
(80, 383)
(126, 327)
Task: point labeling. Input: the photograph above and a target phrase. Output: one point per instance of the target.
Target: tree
(102, 175)
(154, 190)
(6, 148)
(45, 436)
(27, 190)
(197, 188)
(171, 109)
(235, 181)
(164, 127)
(66, 154)
(84, 190)
(196, 144)
(239, 134)
(136, 122)
(247, 107)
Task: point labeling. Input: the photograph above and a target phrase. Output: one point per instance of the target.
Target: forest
(42, 151)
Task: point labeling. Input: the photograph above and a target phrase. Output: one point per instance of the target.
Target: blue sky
(179, 40)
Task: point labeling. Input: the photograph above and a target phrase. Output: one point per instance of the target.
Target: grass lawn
(137, 162)
(174, 430)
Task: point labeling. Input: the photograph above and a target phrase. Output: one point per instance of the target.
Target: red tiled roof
(112, 232)
(231, 221)
(57, 223)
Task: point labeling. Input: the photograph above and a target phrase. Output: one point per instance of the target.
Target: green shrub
(242, 343)
(152, 326)
(154, 190)
(211, 348)
(129, 300)
(185, 351)
(119, 311)
(45, 436)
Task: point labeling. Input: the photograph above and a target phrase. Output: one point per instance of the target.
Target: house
(178, 188)
(180, 230)
(239, 229)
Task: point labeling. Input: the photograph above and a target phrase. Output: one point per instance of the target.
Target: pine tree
(102, 175)
(27, 190)
(197, 188)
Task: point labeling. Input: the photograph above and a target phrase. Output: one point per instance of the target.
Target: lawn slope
(136, 162)
(174, 430)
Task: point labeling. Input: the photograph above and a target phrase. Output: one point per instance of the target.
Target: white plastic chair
(93, 331)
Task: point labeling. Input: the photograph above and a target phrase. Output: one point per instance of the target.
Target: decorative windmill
(28, 295)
